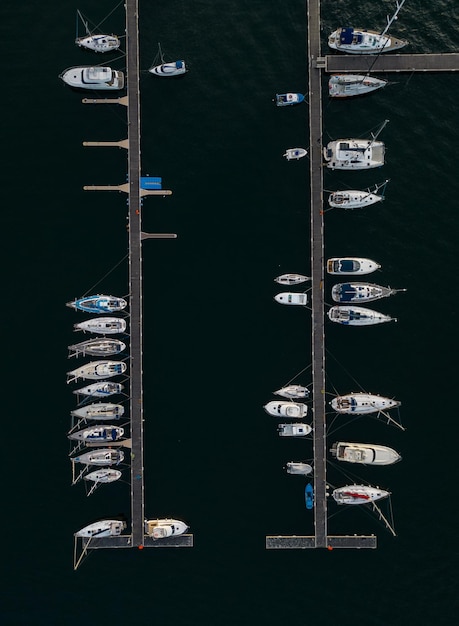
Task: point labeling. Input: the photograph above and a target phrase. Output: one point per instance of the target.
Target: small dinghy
(292, 154)
(100, 390)
(362, 403)
(364, 453)
(93, 41)
(355, 198)
(358, 494)
(103, 528)
(299, 468)
(309, 496)
(288, 99)
(99, 411)
(174, 68)
(291, 279)
(361, 292)
(98, 434)
(101, 456)
(97, 370)
(293, 391)
(93, 78)
(350, 85)
(99, 304)
(291, 297)
(97, 347)
(161, 528)
(357, 316)
(103, 475)
(351, 265)
(102, 325)
(294, 430)
(294, 410)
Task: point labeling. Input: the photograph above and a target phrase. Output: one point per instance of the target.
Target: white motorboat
(291, 297)
(293, 391)
(357, 316)
(102, 325)
(363, 41)
(364, 453)
(162, 69)
(103, 475)
(161, 528)
(97, 370)
(361, 292)
(103, 528)
(97, 347)
(355, 198)
(294, 410)
(351, 265)
(98, 78)
(100, 390)
(358, 494)
(362, 403)
(98, 304)
(294, 430)
(97, 42)
(291, 279)
(349, 85)
(300, 468)
(97, 434)
(101, 456)
(288, 99)
(99, 411)
(295, 153)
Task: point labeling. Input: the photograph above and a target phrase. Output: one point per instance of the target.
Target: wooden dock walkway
(337, 63)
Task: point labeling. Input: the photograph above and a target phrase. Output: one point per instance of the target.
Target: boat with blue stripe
(99, 304)
(357, 292)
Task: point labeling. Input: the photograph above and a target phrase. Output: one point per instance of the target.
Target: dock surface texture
(448, 62)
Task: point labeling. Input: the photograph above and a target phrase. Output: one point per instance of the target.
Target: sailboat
(361, 292)
(348, 85)
(358, 494)
(357, 316)
(95, 42)
(355, 154)
(103, 528)
(174, 68)
(356, 198)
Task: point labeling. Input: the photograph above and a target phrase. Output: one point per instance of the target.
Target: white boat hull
(358, 494)
(99, 410)
(351, 85)
(165, 70)
(360, 41)
(291, 298)
(102, 325)
(93, 78)
(291, 279)
(98, 434)
(354, 154)
(364, 453)
(362, 403)
(293, 154)
(359, 292)
(97, 370)
(162, 528)
(349, 266)
(103, 528)
(103, 475)
(98, 43)
(294, 430)
(100, 390)
(357, 316)
(353, 199)
(293, 391)
(102, 457)
(302, 469)
(292, 410)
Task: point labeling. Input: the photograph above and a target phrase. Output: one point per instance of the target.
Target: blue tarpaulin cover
(150, 182)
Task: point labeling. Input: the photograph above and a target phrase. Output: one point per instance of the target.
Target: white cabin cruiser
(103, 528)
(163, 69)
(99, 411)
(100, 390)
(98, 78)
(291, 297)
(102, 325)
(291, 279)
(349, 85)
(294, 410)
(357, 316)
(362, 403)
(364, 453)
(98, 304)
(351, 265)
(101, 456)
(299, 468)
(103, 475)
(358, 494)
(97, 347)
(295, 153)
(294, 430)
(96, 42)
(355, 198)
(363, 41)
(97, 434)
(97, 370)
(361, 292)
(293, 391)
(161, 528)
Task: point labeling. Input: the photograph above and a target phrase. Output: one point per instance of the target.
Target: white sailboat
(360, 403)
(162, 528)
(103, 528)
(364, 453)
(97, 42)
(294, 410)
(357, 316)
(358, 494)
(99, 411)
(163, 69)
(355, 198)
(97, 347)
(100, 390)
(291, 279)
(361, 292)
(351, 85)
(101, 456)
(293, 391)
(102, 325)
(103, 475)
(97, 434)
(292, 297)
(355, 154)
(97, 370)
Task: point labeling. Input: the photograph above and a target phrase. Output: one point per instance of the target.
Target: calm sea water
(216, 344)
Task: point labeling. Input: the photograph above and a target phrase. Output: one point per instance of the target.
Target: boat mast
(85, 24)
(383, 126)
(394, 17)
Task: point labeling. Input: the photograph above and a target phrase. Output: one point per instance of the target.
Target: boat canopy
(348, 265)
(347, 36)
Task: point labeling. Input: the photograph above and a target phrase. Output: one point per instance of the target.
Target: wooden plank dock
(341, 63)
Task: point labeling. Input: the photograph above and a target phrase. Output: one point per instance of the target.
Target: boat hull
(293, 391)
(292, 410)
(364, 453)
(169, 70)
(362, 403)
(362, 41)
(359, 292)
(352, 85)
(162, 528)
(100, 390)
(89, 78)
(98, 43)
(357, 316)
(102, 325)
(97, 370)
(102, 457)
(103, 528)
(288, 99)
(291, 279)
(300, 469)
(348, 266)
(103, 475)
(99, 410)
(358, 494)
(291, 298)
(354, 154)
(293, 154)
(353, 199)
(97, 347)
(294, 430)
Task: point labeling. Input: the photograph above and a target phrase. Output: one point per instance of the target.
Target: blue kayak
(309, 496)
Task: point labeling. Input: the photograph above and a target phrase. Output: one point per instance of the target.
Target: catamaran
(94, 41)
(355, 154)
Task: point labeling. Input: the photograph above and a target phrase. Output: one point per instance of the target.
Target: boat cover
(150, 182)
(347, 292)
(347, 265)
(347, 36)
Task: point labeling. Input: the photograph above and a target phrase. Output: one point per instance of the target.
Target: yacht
(100, 390)
(299, 468)
(103, 528)
(351, 265)
(161, 528)
(103, 475)
(98, 78)
(291, 297)
(95, 42)
(98, 304)
(364, 453)
(97, 347)
(101, 456)
(97, 434)
(99, 411)
(354, 154)
(358, 494)
(293, 391)
(361, 292)
(362, 403)
(291, 279)
(355, 198)
(294, 410)
(102, 325)
(349, 85)
(294, 430)
(287, 99)
(357, 316)
(295, 153)
(163, 69)
(97, 370)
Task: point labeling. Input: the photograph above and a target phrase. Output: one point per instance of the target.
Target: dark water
(216, 344)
